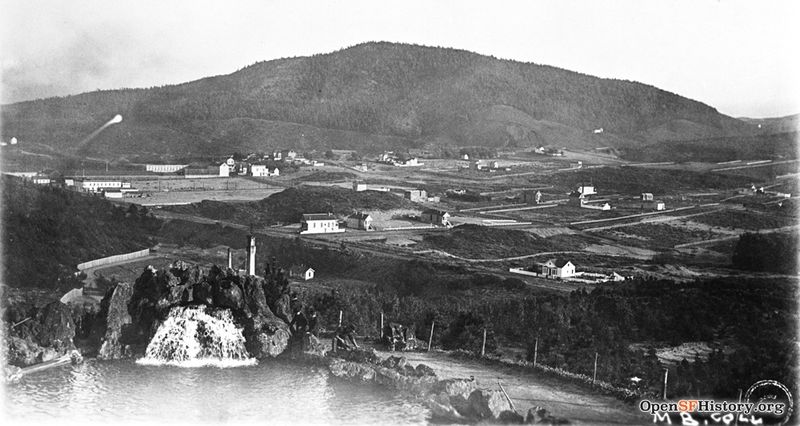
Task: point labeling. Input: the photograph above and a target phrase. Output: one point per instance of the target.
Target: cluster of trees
(775, 252)
(49, 230)
(755, 147)
(751, 319)
(476, 152)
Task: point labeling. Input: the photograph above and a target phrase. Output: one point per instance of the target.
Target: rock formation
(131, 314)
(42, 334)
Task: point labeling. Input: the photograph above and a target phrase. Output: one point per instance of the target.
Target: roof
(359, 216)
(560, 263)
(318, 216)
(436, 212)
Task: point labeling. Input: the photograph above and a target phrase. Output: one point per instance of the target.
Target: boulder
(539, 415)
(394, 362)
(443, 412)
(488, 404)
(351, 370)
(510, 417)
(461, 404)
(452, 387)
(408, 370)
(21, 352)
(11, 373)
(264, 344)
(423, 370)
(367, 356)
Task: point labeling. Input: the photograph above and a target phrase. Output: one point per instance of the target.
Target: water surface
(272, 392)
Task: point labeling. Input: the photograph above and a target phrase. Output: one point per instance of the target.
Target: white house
(224, 170)
(558, 269)
(587, 190)
(319, 223)
(359, 186)
(302, 272)
(259, 170)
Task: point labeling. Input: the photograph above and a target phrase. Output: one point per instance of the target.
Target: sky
(737, 56)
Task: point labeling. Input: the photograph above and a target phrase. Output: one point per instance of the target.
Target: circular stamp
(772, 400)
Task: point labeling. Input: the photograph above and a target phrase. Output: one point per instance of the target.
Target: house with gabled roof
(436, 217)
(319, 223)
(558, 268)
(360, 220)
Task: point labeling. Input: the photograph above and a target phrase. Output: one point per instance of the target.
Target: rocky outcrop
(44, 334)
(487, 404)
(363, 365)
(116, 321)
(131, 314)
(460, 400)
(56, 327)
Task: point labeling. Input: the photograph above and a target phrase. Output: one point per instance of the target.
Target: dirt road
(528, 389)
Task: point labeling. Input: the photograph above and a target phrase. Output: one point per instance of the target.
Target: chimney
(251, 255)
(230, 259)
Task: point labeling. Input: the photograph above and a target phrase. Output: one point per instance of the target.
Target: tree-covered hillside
(370, 97)
(47, 231)
(289, 205)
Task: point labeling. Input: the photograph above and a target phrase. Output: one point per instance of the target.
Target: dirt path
(527, 389)
(500, 259)
(734, 237)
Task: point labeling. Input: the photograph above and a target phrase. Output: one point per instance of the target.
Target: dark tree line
(767, 253)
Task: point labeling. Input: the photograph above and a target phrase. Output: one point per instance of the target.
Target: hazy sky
(737, 56)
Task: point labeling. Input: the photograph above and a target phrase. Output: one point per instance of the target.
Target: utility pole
(483, 346)
(666, 375)
(381, 325)
(430, 339)
(535, 350)
(594, 375)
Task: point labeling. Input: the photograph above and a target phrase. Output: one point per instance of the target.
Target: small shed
(301, 272)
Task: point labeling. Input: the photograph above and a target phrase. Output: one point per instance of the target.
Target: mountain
(369, 97)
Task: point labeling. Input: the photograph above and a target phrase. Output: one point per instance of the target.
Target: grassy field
(657, 236)
(746, 219)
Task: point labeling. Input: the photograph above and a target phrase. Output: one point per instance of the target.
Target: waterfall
(195, 336)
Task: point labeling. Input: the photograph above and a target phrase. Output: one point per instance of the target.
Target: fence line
(113, 259)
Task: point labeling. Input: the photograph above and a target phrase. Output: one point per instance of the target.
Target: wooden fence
(113, 259)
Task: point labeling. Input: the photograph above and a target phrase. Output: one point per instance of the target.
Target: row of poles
(535, 351)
